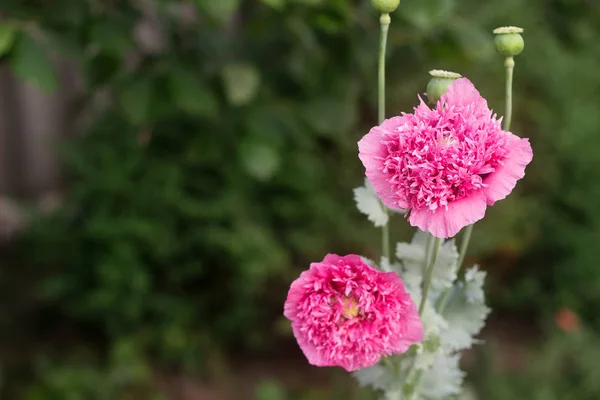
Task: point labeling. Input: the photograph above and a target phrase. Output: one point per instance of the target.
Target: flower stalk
(384, 22)
(464, 245)
(509, 64)
(427, 282)
(509, 43)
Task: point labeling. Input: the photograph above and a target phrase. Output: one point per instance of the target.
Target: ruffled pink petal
(462, 92)
(372, 152)
(313, 356)
(504, 179)
(335, 259)
(445, 223)
(412, 336)
(413, 333)
(295, 295)
(332, 259)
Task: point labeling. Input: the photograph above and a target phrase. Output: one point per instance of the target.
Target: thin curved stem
(441, 307)
(385, 239)
(414, 376)
(427, 281)
(385, 24)
(428, 251)
(510, 65)
(464, 245)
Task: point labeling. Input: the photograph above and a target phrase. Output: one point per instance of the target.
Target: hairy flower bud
(385, 6)
(509, 41)
(439, 83)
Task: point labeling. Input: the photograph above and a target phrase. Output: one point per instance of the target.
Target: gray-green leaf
(466, 312)
(412, 256)
(369, 204)
(443, 379)
(377, 376)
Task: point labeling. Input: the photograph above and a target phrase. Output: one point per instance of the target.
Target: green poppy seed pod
(438, 85)
(385, 6)
(509, 41)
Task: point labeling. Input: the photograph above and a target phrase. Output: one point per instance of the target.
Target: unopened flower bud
(509, 41)
(438, 85)
(385, 6)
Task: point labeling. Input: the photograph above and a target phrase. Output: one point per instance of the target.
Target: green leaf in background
(63, 46)
(30, 62)
(310, 2)
(261, 160)
(192, 95)
(276, 4)
(111, 36)
(269, 389)
(220, 10)
(135, 99)
(330, 116)
(8, 34)
(474, 41)
(241, 83)
(426, 15)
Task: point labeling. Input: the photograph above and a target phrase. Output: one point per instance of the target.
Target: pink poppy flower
(447, 164)
(346, 313)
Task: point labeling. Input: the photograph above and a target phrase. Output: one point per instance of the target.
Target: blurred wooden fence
(31, 125)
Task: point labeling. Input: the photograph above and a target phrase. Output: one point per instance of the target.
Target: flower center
(351, 309)
(446, 140)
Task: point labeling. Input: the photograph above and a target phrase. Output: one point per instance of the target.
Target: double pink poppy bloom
(346, 313)
(444, 165)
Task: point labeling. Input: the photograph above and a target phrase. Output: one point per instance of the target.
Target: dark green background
(224, 163)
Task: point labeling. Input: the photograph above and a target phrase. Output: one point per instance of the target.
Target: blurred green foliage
(125, 376)
(219, 151)
(270, 389)
(563, 367)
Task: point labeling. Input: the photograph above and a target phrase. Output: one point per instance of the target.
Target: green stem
(510, 65)
(385, 239)
(441, 307)
(428, 251)
(464, 245)
(416, 379)
(429, 274)
(385, 24)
